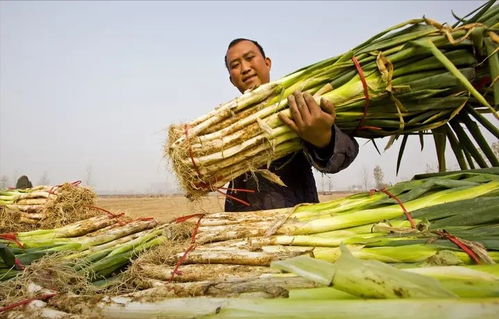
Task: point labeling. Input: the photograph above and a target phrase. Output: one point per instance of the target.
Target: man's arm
(336, 156)
(327, 148)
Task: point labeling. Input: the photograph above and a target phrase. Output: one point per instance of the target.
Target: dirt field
(165, 208)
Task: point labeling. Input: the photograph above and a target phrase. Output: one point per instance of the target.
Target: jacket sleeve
(336, 156)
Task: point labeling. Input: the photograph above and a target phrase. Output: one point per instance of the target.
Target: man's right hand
(310, 121)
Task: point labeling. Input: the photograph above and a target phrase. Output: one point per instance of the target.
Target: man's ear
(268, 62)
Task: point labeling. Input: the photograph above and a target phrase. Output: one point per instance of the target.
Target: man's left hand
(309, 120)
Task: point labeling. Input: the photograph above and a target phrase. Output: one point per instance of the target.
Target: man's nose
(246, 67)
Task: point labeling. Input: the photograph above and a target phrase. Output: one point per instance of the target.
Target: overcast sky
(88, 89)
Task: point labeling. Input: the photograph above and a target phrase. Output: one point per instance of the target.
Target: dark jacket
(296, 172)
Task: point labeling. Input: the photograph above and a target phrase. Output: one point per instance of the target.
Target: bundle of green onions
(99, 245)
(43, 204)
(414, 77)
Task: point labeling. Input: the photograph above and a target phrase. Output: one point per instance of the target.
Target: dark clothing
(296, 172)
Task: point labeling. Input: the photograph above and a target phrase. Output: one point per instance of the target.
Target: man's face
(247, 66)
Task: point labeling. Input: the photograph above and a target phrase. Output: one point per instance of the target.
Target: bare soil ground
(165, 208)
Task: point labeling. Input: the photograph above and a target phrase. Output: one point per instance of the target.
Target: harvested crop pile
(45, 206)
(435, 231)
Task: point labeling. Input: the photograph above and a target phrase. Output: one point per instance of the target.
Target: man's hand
(311, 122)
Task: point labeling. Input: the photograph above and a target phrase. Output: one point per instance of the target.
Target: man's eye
(233, 66)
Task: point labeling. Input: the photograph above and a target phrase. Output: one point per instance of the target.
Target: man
(324, 146)
(23, 182)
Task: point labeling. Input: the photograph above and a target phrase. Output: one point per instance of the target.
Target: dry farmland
(165, 208)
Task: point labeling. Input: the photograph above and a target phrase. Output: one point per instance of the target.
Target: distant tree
(23, 182)
(378, 177)
(355, 188)
(495, 148)
(329, 184)
(365, 178)
(4, 182)
(88, 177)
(44, 180)
(430, 169)
(326, 183)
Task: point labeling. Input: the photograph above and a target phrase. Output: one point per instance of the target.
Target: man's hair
(236, 41)
(23, 182)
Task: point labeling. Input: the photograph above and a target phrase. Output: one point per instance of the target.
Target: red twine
(175, 270)
(443, 234)
(182, 259)
(234, 198)
(12, 237)
(26, 301)
(361, 125)
(406, 213)
(186, 130)
(195, 231)
(356, 63)
(460, 244)
(244, 190)
(19, 264)
(182, 219)
(480, 84)
(368, 127)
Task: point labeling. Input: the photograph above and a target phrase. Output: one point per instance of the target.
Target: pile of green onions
(33, 205)
(236, 259)
(388, 268)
